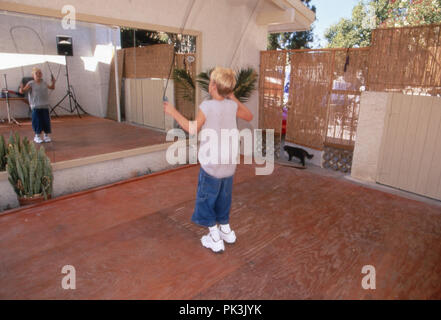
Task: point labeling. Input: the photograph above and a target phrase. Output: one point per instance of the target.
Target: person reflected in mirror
(39, 101)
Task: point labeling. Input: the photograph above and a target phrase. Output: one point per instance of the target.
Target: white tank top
(38, 95)
(220, 118)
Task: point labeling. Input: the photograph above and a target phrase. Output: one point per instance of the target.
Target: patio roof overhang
(285, 16)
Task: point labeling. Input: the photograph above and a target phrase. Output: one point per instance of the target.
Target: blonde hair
(35, 70)
(225, 80)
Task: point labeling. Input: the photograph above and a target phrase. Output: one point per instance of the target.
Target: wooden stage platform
(75, 137)
(300, 236)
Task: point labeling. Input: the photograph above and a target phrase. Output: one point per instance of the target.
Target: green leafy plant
(183, 78)
(246, 84)
(203, 79)
(14, 139)
(29, 170)
(246, 80)
(4, 149)
(3, 153)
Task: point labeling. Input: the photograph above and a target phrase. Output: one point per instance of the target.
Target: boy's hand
(21, 88)
(168, 108)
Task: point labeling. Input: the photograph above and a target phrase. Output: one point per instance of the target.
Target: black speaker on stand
(65, 48)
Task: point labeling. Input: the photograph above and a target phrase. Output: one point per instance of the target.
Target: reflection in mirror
(149, 56)
(99, 105)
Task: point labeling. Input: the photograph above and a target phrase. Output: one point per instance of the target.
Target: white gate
(410, 154)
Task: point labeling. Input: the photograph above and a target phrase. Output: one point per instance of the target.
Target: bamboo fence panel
(311, 74)
(148, 62)
(182, 61)
(271, 88)
(406, 60)
(186, 61)
(350, 73)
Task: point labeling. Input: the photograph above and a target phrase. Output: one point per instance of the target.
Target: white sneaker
(210, 243)
(37, 139)
(47, 138)
(229, 237)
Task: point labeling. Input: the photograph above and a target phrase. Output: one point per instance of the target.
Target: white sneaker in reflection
(37, 139)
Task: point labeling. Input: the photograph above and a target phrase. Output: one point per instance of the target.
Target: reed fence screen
(185, 98)
(311, 73)
(326, 84)
(271, 84)
(406, 60)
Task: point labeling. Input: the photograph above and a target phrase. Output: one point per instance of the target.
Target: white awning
(285, 16)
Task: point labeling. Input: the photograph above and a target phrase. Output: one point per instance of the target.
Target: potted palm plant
(246, 79)
(29, 171)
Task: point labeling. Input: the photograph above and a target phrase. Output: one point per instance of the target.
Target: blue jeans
(213, 200)
(41, 121)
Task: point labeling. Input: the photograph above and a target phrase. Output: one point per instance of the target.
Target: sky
(328, 13)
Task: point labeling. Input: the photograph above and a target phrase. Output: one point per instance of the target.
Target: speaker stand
(11, 119)
(74, 105)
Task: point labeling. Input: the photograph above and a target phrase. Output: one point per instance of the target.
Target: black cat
(298, 153)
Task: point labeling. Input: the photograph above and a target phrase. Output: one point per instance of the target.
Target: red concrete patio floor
(300, 236)
(74, 138)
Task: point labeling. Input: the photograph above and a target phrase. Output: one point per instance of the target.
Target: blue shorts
(213, 200)
(41, 121)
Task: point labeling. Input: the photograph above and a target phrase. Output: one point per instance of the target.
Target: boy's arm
(26, 88)
(183, 122)
(52, 86)
(242, 111)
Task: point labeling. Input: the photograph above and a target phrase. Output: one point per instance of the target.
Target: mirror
(94, 109)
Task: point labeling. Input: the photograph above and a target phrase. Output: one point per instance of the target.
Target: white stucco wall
(228, 26)
(373, 107)
(222, 23)
(91, 86)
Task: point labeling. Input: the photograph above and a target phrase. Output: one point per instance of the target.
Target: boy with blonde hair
(39, 102)
(214, 192)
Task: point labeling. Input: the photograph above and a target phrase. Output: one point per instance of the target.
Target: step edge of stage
(94, 189)
(68, 164)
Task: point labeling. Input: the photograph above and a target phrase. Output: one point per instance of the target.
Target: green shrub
(29, 170)
(3, 153)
